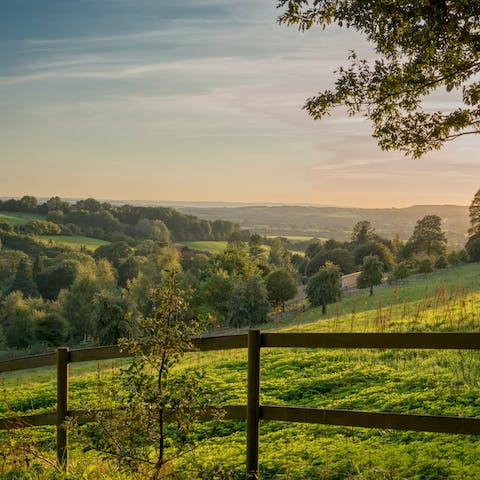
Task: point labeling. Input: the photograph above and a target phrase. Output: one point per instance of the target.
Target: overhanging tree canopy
(422, 46)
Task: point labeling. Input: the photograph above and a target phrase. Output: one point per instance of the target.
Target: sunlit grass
(297, 238)
(73, 241)
(212, 247)
(19, 218)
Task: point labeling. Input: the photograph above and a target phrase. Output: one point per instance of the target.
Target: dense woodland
(115, 223)
(51, 294)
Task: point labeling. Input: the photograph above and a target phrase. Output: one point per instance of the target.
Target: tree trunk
(161, 422)
(324, 308)
(371, 290)
(161, 442)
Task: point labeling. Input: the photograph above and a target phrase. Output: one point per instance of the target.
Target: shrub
(441, 262)
(51, 329)
(473, 248)
(324, 287)
(453, 258)
(425, 266)
(401, 271)
(41, 227)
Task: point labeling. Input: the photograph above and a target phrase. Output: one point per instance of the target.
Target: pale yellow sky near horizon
(197, 101)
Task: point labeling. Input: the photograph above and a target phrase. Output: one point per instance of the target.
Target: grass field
(212, 247)
(216, 247)
(18, 218)
(297, 238)
(400, 381)
(74, 241)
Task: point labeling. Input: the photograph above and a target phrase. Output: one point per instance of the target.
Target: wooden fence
(253, 412)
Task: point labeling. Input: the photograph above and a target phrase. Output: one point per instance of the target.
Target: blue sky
(194, 100)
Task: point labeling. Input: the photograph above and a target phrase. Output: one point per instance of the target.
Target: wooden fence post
(253, 403)
(62, 406)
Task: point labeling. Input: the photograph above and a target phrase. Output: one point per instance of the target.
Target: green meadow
(399, 381)
(296, 238)
(213, 247)
(19, 218)
(73, 241)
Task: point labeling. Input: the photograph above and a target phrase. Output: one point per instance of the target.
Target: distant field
(18, 218)
(336, 222)
(297, 238)
(74, 241)
(215, 248)
(206, 246)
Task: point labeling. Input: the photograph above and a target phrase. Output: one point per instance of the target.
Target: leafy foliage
(51, 329)
(24, 281)
(324, 287)
(17, 320)
(427, 238)
(279, 255)
(137, 435)
(113, 223)
(474, 213)
(474, 249)
(57, 277)
(115, 317)
(422, 47)
(374, 248)
(473, 244)
(441, 262)
(248, 303)
(79, 308)
(363, 232)
(401, 271)
(425, 266)
(281, 287)
(372, 273)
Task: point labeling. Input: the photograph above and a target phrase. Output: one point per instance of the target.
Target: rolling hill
(337, 222)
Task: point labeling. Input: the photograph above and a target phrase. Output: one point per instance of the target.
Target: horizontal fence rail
(83, 416)
(110, 352)
(27, 363)
(347, 418)
(253, 412)
(437, 341)
(36, 420)
(394, 421)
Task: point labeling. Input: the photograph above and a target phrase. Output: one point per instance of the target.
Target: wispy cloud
(188, 27)
(199, 91)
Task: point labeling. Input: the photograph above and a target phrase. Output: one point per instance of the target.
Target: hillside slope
(337, 222)
(421, 382)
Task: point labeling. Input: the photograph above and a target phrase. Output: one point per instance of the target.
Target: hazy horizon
(220, 203)
(199, 100)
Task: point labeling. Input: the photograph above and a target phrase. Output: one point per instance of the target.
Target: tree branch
(461, 134)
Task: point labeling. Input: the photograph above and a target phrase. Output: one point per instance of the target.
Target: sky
(195, 100)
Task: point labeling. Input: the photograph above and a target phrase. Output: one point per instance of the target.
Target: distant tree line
(51, 294)
(115, 223)
(79, 297)
(378, 258)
